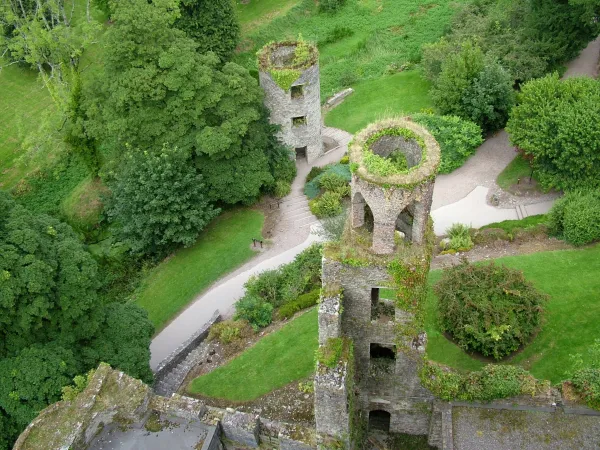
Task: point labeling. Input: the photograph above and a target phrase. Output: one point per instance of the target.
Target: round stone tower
(289, 76)
(395, 162)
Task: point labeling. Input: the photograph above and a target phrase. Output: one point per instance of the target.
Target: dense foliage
(159, 200)
(489, 309)
(52, 322)
(212, 24)
(586, 375)
(557, 125)
(326, 187)
(279, 287)
(473, 87)
(304, 301)
(576, 217)
(458, 239)
(492, 382)
(458, 138)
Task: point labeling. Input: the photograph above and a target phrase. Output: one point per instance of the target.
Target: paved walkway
(291, 236)
(461, 196)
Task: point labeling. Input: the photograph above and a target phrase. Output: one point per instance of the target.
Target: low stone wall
(179, 355)
(337, 98)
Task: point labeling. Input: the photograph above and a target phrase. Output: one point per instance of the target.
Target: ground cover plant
(279, 358)
(488, 308)
(169, 287)
(570, 278)
(458, 239)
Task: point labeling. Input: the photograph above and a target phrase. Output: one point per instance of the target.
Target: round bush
(487, 308)
(576, 217)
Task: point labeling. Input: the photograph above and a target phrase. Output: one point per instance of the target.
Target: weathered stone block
(241, 428)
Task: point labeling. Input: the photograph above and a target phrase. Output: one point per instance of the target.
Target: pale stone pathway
(461, 196)
(291, 236)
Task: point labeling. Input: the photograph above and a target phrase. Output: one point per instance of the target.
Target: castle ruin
(387, 248)
(289, 76)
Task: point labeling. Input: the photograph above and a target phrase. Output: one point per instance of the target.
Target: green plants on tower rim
(285, 69)
(386, 172)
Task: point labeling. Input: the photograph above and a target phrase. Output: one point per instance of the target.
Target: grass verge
(572, 315)
(518, 169)
(402, 93)
(222, 246)
(276, 360)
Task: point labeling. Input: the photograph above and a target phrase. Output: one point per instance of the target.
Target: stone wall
(283, 108)
(115, 398)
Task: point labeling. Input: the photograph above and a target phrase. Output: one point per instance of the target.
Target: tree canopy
(557, 123)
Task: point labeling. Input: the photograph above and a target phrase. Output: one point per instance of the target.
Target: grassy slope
(518, 168)
(276, 360)
(570, 277)
(405, 92)
(384, 33)
(257, 12)
(222, 247)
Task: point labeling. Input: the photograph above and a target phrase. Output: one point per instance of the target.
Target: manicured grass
(511, 225)
(276, 360)
(258, 12)
(517, 169)
(364, 40)
(572, 315)
(402, 93)
(223, 246)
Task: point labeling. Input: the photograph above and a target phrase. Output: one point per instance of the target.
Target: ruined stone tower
(289, 76)
(371, 332)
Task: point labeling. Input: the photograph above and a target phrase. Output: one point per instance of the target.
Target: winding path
(461, 196)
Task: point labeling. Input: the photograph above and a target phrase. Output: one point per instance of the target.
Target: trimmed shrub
(302, 302)
(255, 310)
(492, 382)
(282, 188)
(327, 205)
(458, 138)
(576, 217)
(487, 308)
(313, 188)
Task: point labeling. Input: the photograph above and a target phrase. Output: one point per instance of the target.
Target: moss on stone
(285, 74)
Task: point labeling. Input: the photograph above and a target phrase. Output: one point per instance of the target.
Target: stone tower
(289, 76)
(371, 331)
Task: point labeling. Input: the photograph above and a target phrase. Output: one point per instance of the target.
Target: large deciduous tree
(212, 24)
(557, 124)
(159, 200)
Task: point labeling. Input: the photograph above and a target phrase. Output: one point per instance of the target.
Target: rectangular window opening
(300, 153)
(297, 91)
(299, 121)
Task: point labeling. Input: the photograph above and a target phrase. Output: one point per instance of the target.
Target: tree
(471, 86)
(159, 200)
(557, 124)
(212, 24)
(124, 340)
(48, 281)
(33, 379)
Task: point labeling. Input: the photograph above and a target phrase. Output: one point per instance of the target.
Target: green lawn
(364, 40)
(512, 225)
(276, 360)
(258, 12)
(222, 247)
(572, 315)
(402, 93)
(518, 168)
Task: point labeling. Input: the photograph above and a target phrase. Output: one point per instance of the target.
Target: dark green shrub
(576, 217)
(312, 188)
(314, 171)
(458, 138)
(337, 34)
(330, 6)
(255, 310)
(327, 205)
(487, 308)
(302, 302)
(587, 383)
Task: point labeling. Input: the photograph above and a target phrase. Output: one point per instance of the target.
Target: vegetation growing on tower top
(286, 60)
